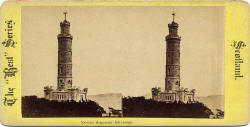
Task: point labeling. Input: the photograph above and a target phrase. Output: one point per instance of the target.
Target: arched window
(169, 70)
(60, 80)
(70, 82)
(60, 70)
(177, 82)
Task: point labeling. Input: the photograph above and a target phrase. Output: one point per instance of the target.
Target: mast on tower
(65, 15)
(173, 15)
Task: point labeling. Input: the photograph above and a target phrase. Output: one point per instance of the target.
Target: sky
(122, 49)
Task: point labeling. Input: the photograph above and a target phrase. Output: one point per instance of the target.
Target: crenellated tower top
(173, 29)
(65, 27)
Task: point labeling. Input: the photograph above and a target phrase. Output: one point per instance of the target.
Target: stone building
(173, 90)
(65, 91)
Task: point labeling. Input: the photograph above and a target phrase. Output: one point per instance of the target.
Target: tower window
(70, 82)
(60, 70)
(60, 80)
(177, 83)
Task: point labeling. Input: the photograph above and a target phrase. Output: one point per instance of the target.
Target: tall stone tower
(64, 90)
(172, 79)
(173, 92)
(64, 79)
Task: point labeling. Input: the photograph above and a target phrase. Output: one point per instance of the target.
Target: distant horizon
(126, 96)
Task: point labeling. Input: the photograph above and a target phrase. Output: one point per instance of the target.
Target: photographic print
(123, 61)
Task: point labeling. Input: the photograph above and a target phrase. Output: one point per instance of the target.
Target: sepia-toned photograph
(123, 61)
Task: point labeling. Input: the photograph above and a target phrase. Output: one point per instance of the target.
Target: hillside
(40, 107)
(141, 107)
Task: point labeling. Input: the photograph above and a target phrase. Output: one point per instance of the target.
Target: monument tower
(173, 91)
(172, 79)
(65, 91)
(64, 79)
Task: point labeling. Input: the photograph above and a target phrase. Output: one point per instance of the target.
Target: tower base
(71, 94)
(180, 95)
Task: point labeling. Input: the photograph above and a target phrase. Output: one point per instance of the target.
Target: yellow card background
(236, 91)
